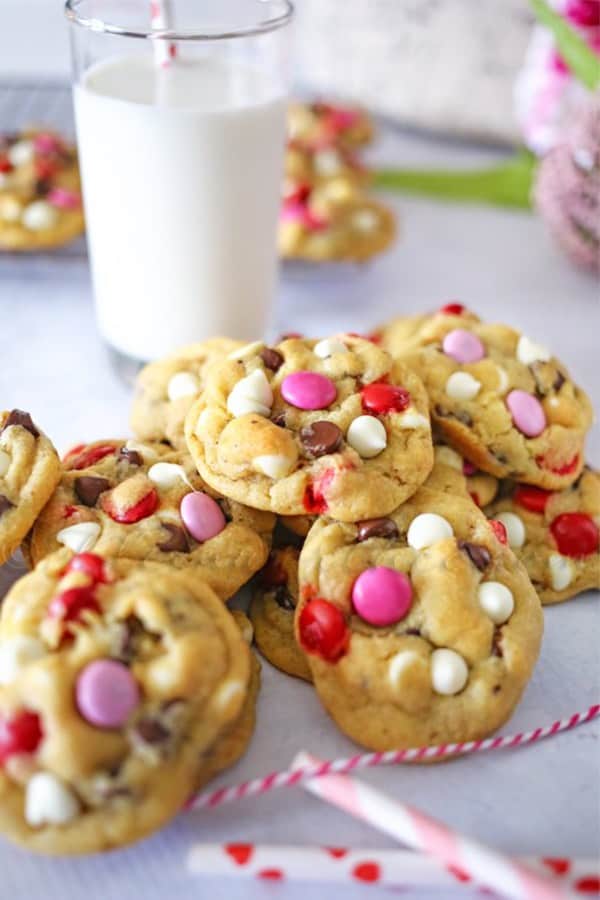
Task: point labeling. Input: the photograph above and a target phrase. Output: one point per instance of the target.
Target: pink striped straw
(291, 777)
(161, 18)
(410, 826)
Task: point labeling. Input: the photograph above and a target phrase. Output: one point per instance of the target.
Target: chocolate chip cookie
(147, 502)
(554, 534)
(498, 397)
(40, 191)
(312, 427)
(105, 714)
(29, 471)
(420, 627)
(165, 390)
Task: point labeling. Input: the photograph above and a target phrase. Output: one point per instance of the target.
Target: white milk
(181, 181)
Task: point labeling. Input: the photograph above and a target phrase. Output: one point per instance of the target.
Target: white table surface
(541, 800)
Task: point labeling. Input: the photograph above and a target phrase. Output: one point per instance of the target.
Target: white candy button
(274, 465)
(365, 220)
(398, 663)
(251, 394)
(502, 380)
(529, 352)
(182, 384)
(16, 652)
(327, 162)
(462, 386)
(79, 538)
(428, 529)
(496, 601)
(448, 457)
(166, 475)
(515, 528)
(412, 419)
(561, 572)
(367, 436)
(449, 672)
(4, 463)
(38, 216)
(328, 347)
(21, 153)
(48, 801)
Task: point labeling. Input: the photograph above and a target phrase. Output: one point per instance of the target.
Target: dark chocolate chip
(413, 632)
(5, 504)
(559, 381)
(496, 689)
(131, 456)
(88, 488)
(321, 438)
(132, 629)
(42, 187)
(177, 540)
(151, 731)
(478, 554)
(279, 419)
(283, 598)
(497, 643)
(382, 528)
(18, 417)
(271, 358)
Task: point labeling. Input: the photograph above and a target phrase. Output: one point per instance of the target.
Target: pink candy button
(106, 693)
(463, 346)
(382, 596)
(308, 390)
(46, 143)
(527, 413)
(202, 516)
(297, 211)
(63, 198)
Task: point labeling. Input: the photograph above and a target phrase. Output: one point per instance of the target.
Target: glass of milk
(181, 135)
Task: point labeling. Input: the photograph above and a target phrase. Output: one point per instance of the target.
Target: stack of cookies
(327, 214)
(400, 568)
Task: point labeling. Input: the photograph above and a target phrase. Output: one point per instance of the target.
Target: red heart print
(241, 853)
(366, 871)
(271, 874)
(336, 852)
(559, 866)
(588, 885)
(459, 874)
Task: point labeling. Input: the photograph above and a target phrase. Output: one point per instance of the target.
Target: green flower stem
(581, 60)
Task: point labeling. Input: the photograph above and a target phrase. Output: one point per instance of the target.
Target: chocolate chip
(478, 554)
(559, 381)
(5, 504)
(283, 598)
(413, 632)
(497, 643)
(321, 438)
(279, 419)
(271, 358)
(460, 414)
(132, 629)
(131, 456)
(177, 540)
(42, 187)
(88, 488)
(151, 731)
(382, 528)
(496, 689)
(18, 417)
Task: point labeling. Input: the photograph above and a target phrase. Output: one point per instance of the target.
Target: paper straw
(161, 19)
(343, 865)
(509, 878)
(291, 777)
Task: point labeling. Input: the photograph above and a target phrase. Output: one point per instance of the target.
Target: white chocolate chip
(399, 663)
(16, 652)
(79, 538)
(462, 386)
(427, 529)
(328, 347)
(327, 162)
(203, 422)
(365, 220)
(21, 153)
(503, 381)
(182, 384)
(48, 801)
(367, 435)
(251, 394)
(247, 350)
(449, 672)
(273, 465)
(561, 571)
(529, 352)
(496, 601)
(4, 463)
(412, 419)
(448, 457)
(10, 209)
(515, 528)
(39, 215)
(227, 691)
(166, 475)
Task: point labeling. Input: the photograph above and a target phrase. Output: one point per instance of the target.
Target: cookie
(316, 166)
(554, 534)
(272, 613)
(29, 471)
(146, 502)
(40, 191)
(499, 398)
(322, 124)
(165, 390)
(420, 627)
(105, 713)
(310, 427)
(455, 474)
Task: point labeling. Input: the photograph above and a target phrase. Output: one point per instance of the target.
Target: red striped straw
(290, 777)
(161, 18)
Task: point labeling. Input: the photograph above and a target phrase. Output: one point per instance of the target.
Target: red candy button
(379, 398)
(90, 564)
(531, 498)
(140, 510)
(576, 534)
(452, 309)
(69, 605)
(87, 457)
(323, 630)
(5, 165)
(566, 469)
(20, 734)
(499, 530)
